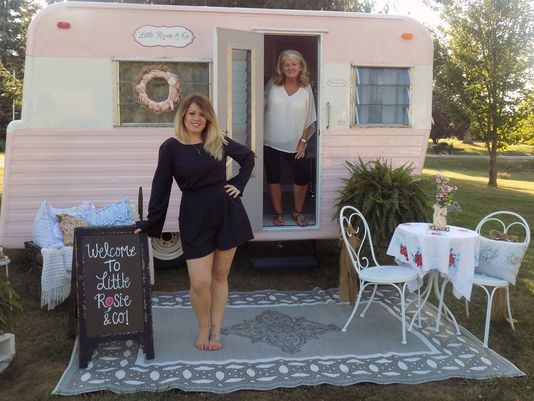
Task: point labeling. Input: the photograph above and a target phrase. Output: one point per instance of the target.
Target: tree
(487, 69)
(444, 123)
(15, 17)
(448, 120)
(524, 130)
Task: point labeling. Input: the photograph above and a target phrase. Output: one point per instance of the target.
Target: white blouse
(287, 116)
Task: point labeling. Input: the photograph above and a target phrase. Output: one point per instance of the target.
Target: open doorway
(308, 46)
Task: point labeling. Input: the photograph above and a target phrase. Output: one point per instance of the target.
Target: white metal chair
(352, 222)
(499, 260)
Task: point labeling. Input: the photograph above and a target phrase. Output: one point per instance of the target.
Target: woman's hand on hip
(301, 150)
(232, 191)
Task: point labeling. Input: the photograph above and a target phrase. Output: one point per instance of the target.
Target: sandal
(278, 219)
(299, 217)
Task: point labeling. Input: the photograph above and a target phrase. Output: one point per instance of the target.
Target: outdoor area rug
(285, 339)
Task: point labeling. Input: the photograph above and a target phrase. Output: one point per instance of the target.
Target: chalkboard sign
(113, 288)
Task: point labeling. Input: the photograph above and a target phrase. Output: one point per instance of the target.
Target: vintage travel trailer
(100, 80)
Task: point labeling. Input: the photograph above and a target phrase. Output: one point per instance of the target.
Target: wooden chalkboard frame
(144, 336)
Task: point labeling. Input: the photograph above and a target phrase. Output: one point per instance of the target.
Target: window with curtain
(382, 96)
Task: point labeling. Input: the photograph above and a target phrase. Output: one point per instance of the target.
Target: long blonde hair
(212, 136)
(304, 75)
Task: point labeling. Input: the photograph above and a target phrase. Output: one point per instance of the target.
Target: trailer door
(238, 71)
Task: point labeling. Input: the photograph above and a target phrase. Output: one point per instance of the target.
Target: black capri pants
(299, 167)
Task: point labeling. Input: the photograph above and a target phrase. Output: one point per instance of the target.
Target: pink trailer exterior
(83, 135)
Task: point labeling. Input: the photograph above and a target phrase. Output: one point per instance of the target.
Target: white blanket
(56, 275)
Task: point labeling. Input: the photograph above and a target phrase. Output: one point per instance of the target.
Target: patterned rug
(285, 339)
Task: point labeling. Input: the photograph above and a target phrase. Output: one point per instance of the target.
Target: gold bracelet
(303, 140)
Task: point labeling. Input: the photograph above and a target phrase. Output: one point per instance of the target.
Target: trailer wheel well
(167, 251)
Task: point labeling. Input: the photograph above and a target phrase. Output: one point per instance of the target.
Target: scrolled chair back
(504, 239)
(510, 226)
(353, 223)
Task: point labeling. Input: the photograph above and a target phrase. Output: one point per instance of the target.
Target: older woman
(289, 113)
(213, 221)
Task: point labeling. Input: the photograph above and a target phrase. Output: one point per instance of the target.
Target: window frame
(353, 103)
(115, 61)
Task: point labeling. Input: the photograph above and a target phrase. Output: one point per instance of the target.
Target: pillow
(500, 259)
(497, 235)
(46, 230)
(115, 214)
(68, 223)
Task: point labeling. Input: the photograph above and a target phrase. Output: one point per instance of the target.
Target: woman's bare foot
(203, 342)
(215, 342)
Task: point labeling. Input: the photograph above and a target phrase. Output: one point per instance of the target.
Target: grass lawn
(43, 347)
(477, 148)
(520, 172)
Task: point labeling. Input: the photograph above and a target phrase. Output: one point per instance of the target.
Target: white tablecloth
(454, 253)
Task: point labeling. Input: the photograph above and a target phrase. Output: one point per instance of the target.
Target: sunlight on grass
(512, 185)
(479, 148)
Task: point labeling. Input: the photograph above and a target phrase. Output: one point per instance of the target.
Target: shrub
(10, 307)
(385, 196)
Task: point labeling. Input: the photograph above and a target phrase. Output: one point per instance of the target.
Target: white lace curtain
(382, 95)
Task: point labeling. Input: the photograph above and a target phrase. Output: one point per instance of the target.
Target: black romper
(209, 218)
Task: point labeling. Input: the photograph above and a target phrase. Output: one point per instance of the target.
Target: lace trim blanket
(56, 276)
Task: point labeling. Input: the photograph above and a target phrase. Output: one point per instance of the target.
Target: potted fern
(10, 313)
(385, 196)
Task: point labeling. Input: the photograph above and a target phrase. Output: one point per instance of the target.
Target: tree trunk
(492, 182)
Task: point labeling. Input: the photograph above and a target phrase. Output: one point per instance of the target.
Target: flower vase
(439, 219)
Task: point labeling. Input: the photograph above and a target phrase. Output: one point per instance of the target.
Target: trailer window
(382, 96)
(150, 109)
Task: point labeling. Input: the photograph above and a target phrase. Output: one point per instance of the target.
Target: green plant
(385, 196)
(10, 307)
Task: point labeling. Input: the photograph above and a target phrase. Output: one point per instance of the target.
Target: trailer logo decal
(173, 36)
(337, 83)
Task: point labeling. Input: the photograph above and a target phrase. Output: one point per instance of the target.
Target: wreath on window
(174, 89)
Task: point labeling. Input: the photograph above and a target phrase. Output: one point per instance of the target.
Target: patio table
(452, 254)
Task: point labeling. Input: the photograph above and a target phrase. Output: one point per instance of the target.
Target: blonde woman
(212, 219)
(289, 114)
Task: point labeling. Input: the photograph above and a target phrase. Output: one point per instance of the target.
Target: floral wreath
(174, 93)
